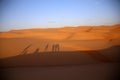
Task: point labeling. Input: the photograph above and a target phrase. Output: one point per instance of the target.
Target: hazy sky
(20, 14)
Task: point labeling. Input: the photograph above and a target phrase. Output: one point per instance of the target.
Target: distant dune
(69, 33)
(79, 38)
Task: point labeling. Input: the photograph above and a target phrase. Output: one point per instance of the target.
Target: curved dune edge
(67, 33)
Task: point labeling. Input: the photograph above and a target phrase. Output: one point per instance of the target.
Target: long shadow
(36, 51)
(46, 47)
(55, 48)
(25, 50)
(60, 58)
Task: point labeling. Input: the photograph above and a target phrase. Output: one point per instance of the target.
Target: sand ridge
(84, 38)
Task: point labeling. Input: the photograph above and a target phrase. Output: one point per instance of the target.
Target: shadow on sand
(59, 58)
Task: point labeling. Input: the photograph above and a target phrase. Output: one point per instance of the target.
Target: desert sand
(104, 71)
(83, 50)
(70, 38)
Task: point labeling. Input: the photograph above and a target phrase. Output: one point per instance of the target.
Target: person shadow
(36, 51)
(46, 47)
(25, 50)
(55, 48)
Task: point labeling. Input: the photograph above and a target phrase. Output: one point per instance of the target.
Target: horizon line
(63, 27)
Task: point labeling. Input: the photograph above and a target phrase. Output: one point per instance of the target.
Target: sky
(24, 14)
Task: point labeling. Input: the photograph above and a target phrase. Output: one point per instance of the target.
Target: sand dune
(99, 32)
(69, 38)
(86, 52)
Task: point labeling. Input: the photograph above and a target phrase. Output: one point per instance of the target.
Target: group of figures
(55, 48)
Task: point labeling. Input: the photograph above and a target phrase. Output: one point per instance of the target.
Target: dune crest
(70, 33)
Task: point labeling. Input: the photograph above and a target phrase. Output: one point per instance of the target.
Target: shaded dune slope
(62, 58)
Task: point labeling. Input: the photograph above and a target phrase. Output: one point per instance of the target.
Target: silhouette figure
(55, 47)
(46, 47)
(25, 50)
(36, 51)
